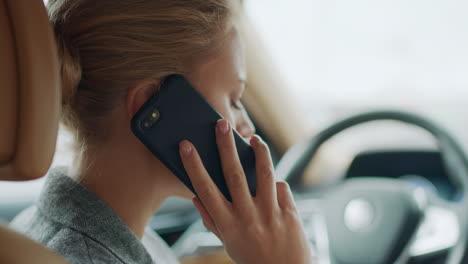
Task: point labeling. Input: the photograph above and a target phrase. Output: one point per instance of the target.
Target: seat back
(29, 110)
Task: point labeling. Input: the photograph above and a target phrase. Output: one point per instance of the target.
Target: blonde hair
(105, 46)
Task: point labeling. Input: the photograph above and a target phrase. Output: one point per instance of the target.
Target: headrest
(29, 93)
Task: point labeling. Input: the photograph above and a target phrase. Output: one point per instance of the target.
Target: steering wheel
(377, 220)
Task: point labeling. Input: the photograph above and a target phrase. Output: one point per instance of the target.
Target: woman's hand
(262, 229)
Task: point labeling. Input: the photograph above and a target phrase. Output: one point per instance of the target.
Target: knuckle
(289, 211)
(282, 186)
(291, 216)
(274, 223)
(256, 230)
(206, 192)
(248, 217)
(266, 172)
(236, 179)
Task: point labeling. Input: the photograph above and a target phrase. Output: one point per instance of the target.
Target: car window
(341, 57)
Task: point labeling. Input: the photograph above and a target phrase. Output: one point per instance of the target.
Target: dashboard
(420, 167)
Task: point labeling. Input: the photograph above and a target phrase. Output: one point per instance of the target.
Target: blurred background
(337, 58)
(367, 53)
(341, 57)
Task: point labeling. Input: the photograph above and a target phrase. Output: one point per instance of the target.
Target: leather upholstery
(29, 94)
(29, 110)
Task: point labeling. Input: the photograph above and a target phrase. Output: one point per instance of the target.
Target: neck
(122, 181)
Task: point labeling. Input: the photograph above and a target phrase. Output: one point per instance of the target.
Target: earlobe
(138, 94)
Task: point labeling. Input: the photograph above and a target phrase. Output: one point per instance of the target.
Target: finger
(206, 190)
(266, 187)
(232, 168)
(285, 197)
(207, 220)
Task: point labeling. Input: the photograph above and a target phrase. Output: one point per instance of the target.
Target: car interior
(30, 100)
(400, 203)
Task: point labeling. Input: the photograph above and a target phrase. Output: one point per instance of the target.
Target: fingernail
(185, 148)
(222, 126)
(254, 140)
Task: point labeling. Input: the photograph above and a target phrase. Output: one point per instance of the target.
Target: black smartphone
(179, 112)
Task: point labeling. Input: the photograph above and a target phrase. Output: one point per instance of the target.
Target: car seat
(29, 111)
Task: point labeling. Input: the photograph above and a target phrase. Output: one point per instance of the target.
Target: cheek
(223, 107)
(231, 116)
(237, 118)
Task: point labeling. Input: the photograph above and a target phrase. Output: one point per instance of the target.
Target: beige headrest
(29, 93)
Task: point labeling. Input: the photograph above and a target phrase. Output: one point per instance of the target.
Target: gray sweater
(72, 221)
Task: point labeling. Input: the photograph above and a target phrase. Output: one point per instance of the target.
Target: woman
(114, 55)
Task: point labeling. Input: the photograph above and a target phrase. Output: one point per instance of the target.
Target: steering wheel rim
(293, 164)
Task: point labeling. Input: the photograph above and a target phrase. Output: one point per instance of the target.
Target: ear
(138, 94)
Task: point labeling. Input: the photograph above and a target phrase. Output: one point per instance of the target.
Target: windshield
(342, 57)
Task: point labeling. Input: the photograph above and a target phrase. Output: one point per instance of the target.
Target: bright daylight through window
(341, 57)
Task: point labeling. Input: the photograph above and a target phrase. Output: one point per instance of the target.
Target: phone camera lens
(151, 119)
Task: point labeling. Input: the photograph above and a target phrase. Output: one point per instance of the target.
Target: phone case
(179, 112)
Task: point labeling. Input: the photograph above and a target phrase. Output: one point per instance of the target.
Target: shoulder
(74, 246)
(77, 248)
(71, 245)
(33, 224)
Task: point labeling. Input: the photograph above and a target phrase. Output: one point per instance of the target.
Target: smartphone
(178, 112)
